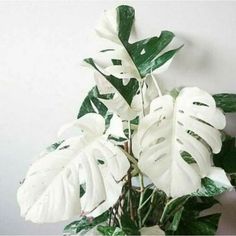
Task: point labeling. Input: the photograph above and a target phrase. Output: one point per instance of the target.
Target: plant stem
(150, 207)
(146, 201)
(156, 85)
(142, 97)
(140, 199)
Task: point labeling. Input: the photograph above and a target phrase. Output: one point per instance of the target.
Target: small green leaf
(110, 230)
(85, 224)
(226, 101)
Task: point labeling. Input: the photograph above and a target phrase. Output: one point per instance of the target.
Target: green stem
(156, 85)
(150, 207)
(146, 201)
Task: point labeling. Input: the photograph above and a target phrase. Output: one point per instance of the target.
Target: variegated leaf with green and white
(51, 190)
(120, 68)
(135, 59)
(190, 124)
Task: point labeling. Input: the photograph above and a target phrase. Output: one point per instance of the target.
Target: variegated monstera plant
(143, 161)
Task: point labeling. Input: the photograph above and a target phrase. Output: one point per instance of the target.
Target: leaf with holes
(122, 66)
(188, 124)
(51, 190)
(139, 58)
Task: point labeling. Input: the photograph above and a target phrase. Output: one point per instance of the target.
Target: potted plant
(144, 161)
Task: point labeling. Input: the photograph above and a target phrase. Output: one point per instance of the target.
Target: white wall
(42, 84)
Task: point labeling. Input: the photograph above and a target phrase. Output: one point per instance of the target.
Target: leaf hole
(160, 140)
(143, 51)
(200, 104)
(187, 157)
(158, 109)
(100, 162)
(179, 141)
(64, 147)
(160, 157)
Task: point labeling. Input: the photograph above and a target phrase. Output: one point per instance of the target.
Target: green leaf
(206, 225)
(128, 226)
(54, 146)
(226, 159)
(126, 91)
(175, 223)
(226, 101)
(144, 53)
(186, 219)
(110, 230)
(210, 188)
(85, 224)
(172, 207)
(92, 104)
(154, 206)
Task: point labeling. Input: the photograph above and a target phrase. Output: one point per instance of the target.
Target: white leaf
(51, 190)
(165, 133)
(219, 177)
(107, 29)
(116, 127)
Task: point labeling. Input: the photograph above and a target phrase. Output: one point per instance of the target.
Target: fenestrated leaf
(51, 190)
(226, 101)
(226, 159)
(188, 124)
(85, 224)
(145, 54)
(127, 62)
